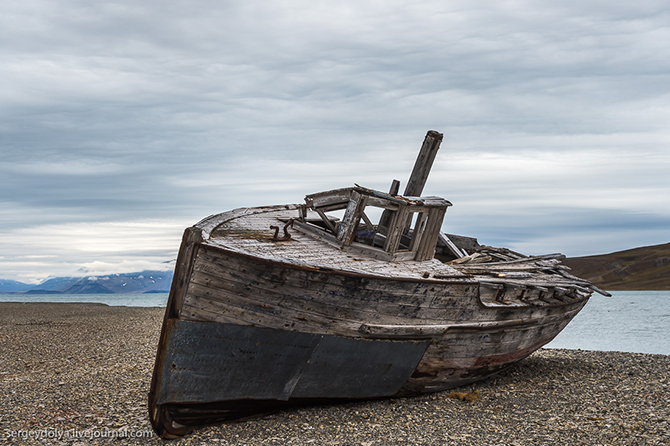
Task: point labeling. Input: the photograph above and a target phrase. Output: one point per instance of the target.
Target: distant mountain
(12, 286)
(57, 284)
(142, 282)
(646, 268)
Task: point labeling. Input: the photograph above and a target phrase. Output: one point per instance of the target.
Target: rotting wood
(352, 217)
(426, 249)
(192, 236)
(423, 164)
(326, 221)
(442, 237)
(385, 219)
(356, 284)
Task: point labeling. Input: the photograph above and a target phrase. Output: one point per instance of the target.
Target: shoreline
(86, 367)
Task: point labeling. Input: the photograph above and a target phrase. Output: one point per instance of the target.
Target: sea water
(124, 300)
(629, 321)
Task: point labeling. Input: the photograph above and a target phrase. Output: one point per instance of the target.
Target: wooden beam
(367, 221)
(326, 221)
(385, 219)
(444, 239)
(352, 217)
(329, 198)
(396, 228)
(423, 164)
(419, 229)
(426, 248)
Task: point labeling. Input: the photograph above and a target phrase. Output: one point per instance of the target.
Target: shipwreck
(297, 304)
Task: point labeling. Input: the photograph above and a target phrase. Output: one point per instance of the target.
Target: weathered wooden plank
(339, 302)
(367, 221)
(329, 198)
(362, 250)
(423, 164)
(432, 271)
(426, 249)
(276, 273)
(212, 303)
(383, 204)
(189, 246)
(524, 260)
(250, 313)
(205, 311)
(535, 281)
(418, 233)
(451, 360)
(352, 217)
(396, 228)
(450, 353)
(284, 307)
(208, 225)
(318, 234)
(444, 239)
(326, 221)
(385, 219)
(431, 330)
(491, 340)
(466, 244)
(271, 300)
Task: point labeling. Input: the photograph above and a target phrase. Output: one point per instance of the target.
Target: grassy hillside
(646, 268)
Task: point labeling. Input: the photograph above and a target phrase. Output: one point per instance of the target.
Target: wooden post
(426, 249)
(395, 231)
(352, 217)
(385, 219)
(395, 187)
(417, 180)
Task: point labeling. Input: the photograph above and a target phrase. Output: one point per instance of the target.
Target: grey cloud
(126, 111)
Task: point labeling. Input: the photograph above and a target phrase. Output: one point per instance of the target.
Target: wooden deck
(248, 231)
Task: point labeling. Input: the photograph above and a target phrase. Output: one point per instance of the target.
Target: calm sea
(125, 300)
(629, 321)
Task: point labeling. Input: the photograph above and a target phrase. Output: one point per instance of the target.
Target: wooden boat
(339, 309)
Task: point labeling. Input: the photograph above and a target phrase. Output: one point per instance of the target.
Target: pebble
(87, 367)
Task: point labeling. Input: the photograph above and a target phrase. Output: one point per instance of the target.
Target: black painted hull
(215, 372)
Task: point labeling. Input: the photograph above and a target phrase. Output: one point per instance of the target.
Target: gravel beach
(78, 374)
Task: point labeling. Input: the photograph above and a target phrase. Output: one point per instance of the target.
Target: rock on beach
(84, 370)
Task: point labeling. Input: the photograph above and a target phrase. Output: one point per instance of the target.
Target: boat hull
(255, 369)
(244, 335)
(255, 363)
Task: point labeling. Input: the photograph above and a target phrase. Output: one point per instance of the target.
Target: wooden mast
(423, 164)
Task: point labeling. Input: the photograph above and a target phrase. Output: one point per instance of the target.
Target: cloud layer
(115, 114)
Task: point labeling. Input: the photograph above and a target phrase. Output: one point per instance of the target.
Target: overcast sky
(124, 122)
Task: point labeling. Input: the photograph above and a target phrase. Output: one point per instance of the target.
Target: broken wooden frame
(412, 233)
